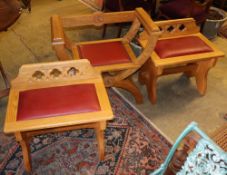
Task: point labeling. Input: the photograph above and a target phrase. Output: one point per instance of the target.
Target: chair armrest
(147, 22)
(58, 38)
(57, 32)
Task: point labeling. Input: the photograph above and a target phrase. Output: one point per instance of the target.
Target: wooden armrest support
(146, 21)
(57, 30)
(59, 41)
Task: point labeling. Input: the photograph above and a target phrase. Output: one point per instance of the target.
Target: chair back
(42, 75)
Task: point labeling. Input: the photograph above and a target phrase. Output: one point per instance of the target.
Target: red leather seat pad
(181, 46)
(57, 101)
(101, 54)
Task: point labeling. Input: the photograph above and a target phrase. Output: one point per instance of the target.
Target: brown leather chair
(176, 9)
(4, 92)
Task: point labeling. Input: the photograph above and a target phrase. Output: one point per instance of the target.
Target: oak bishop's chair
(114, 57)
(194, 153)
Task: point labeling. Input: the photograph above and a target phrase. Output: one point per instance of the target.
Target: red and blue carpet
(133, 146)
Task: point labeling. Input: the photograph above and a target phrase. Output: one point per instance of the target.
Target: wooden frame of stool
(196, 64)
(55, 74)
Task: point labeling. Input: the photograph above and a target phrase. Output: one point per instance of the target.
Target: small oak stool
(54, 97)
(181, 48)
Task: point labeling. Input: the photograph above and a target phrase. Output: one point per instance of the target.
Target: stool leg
(143, 75)
(25, 150)
(201, 74)
(101, 126)
(148, 76)
(152, 89)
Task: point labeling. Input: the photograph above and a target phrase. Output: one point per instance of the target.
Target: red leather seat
(101, 54)
(181, 46)
(57, 101)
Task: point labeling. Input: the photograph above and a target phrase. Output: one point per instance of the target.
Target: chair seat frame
(54, 74)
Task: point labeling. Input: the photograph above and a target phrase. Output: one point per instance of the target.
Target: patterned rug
(133, 146)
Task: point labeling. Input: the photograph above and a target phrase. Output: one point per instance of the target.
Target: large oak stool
(181, 48)
(114, 58)
(55, 97)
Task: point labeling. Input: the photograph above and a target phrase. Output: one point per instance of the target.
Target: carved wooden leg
(152, 88)
(143, 76)
(101, 126)
(201, 74)
(25, 150)
(150, 77)
(130, 86)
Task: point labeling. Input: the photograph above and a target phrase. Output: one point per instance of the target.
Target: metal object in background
(214, 22)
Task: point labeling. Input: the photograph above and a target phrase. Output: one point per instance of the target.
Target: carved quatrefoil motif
(170, 28)
(182, 27)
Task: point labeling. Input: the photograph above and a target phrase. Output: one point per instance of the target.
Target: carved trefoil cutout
(72, 71)
(38, 75)
(55, 73)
